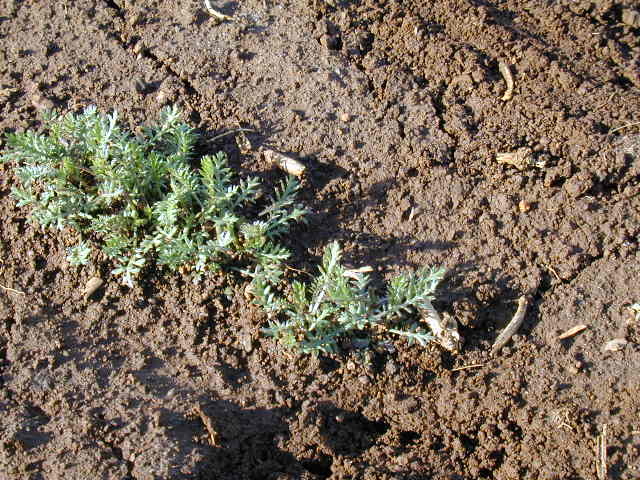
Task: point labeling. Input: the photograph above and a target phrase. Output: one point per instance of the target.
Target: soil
(396, 108)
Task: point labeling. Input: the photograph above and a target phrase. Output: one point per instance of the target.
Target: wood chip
(284, 162)
(572, 331)
(512, 327)
(508, 78)
(615, 345)
(90, 288)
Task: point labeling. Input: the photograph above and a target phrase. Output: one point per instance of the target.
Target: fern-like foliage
(339, 303)
(139, 198)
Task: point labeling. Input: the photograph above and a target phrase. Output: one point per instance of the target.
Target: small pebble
(345, 117)
(631, 17)
(364, 379)
(41, 102)
(524, 206)
(573, 370)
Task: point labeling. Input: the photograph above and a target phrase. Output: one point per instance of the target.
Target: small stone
(135, 19)
(573, 370)
(138, 48)
(363, 379)
(247, 343)
(345, 117)
(162, 97)
(631, 17)
(391, 368)
(578, 184)
(615, 345)
(141, 86)
(524, 206)
(41, 102)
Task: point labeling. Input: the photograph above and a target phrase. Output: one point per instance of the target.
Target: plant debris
(286, 163)
(572, 331)
(615, 345)
(508, 78)
(215, 13)
(512, 327)
(521, 158)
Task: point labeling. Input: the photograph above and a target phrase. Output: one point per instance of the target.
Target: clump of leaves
(139, 197)
(340, 303)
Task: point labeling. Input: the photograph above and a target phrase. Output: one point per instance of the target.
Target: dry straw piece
(512, 327)
(572, 331)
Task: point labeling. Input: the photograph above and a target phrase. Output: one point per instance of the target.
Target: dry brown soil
(395, 107)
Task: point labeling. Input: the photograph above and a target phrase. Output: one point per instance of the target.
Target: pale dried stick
(467, 367)
(284, 162)
(572, 331)
(512, 327)
(212, 11)
(9, 289)
(601, 452)
(508, 78)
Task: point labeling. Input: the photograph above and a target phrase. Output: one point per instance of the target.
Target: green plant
(340, 303)
(140, 199)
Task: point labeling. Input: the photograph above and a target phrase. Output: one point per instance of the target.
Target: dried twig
(9, 289)
(467, 367)
(633, 124)
(572, 331)
(512, 327)
(354, 272)
(601, 453)
(230, 132)
(212, 11)
(284, 162)
(508, 78)
(214, 436)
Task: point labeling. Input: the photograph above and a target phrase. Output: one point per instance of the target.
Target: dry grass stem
(214, 436)
(601, 452)
(467, 367)
(572, 331)
(9, 289)
(633, 124)
(512, 327)
(508, 78)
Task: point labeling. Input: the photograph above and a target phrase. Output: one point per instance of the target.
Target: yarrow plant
(340, 304)
(141, 200)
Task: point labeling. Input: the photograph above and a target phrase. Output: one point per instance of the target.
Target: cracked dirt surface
(396, 109)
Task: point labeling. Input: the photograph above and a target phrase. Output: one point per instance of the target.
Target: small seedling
(340, 304)
(139, 198)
